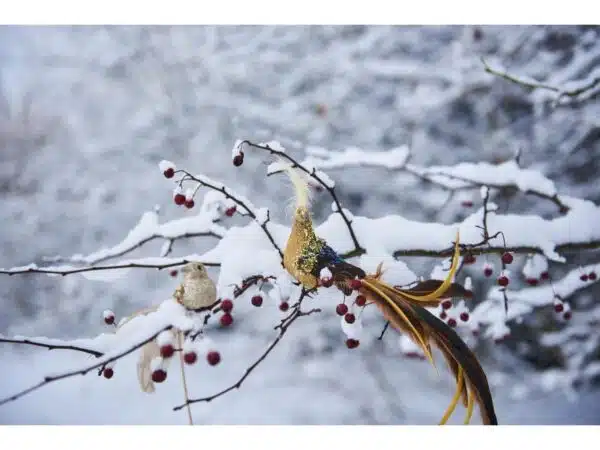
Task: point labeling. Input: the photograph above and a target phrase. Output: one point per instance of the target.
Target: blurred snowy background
(86, 114)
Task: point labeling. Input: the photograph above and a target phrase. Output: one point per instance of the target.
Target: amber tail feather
(424, 328)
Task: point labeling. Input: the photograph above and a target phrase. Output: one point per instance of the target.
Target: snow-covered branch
(463, 176)
(148, 229)
(575, 90)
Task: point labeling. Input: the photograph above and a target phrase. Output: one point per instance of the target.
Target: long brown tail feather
(451, 344)
(424, 328)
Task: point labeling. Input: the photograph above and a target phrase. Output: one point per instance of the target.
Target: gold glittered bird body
(306, 255)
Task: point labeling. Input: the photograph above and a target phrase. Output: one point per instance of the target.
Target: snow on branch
(148, 229)
(128, 338)
(462, 176)
(575, 90)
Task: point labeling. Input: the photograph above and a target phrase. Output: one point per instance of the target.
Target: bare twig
(35, 343)
(358, 250)
(59, 271)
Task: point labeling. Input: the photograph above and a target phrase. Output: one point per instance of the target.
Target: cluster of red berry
(167, 350)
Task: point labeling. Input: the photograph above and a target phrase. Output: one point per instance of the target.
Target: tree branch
(58, 270)
(358, 250)
(36, 343)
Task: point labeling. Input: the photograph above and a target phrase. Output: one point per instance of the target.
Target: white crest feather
(301, 187)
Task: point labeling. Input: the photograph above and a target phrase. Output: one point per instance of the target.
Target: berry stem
(185, 388)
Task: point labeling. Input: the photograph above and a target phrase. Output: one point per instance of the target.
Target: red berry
(584, 277)
(108, 373)
(469, 259)
(413, 355)
(109, 319)
(567, 315)
(189, 204)
(592, 276)
(447, 304)
(238, 159)
(173, 273)
(559, 307)
(532, 281)
(229, 212)
(166, 351)
(179, 199)
(326, 282)
(257, 300)
(545, 275)
(451, 322)
(488, 271)
(341, 309)
(467, 203)
(284, 306)
(226, 320)
(443, 315)
(159, 375)
(213, 358)
(226, 305)
(507, 258)
(190, 357)
(352, 343)
(361, 300)
(464, 316)
(355, 284)
(169, 173)
(503, 281)
(350, 318)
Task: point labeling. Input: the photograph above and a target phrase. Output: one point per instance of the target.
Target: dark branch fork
(358, 250)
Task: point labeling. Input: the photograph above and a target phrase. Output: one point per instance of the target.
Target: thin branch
(35, 343)
(358, 250)
(59, 271)
(104, 362)
(282, 327)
